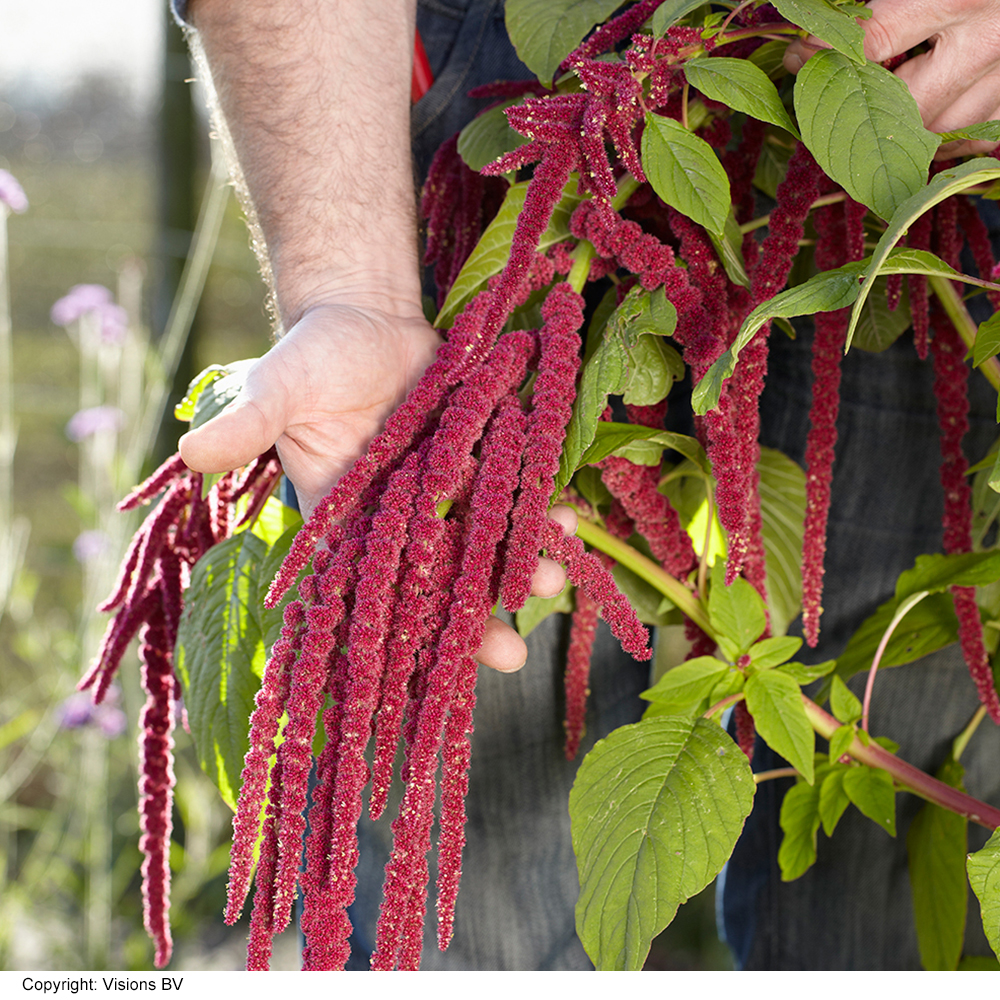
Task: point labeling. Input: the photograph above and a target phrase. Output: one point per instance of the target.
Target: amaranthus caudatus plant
(631, 175)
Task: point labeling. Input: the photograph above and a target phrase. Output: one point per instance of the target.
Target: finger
(502, 649)
(549, 579)
(897, 25)
(801, 51)
(982, 103)
(565, 516)
(246, 428)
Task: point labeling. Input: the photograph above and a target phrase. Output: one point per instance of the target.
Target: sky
(47, 44)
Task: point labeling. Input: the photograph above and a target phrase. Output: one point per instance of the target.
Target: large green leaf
(739, 84)
(536, 609)
(488, 136)
(491, 252)
(984, 877)
(844, 702)
(783, 510)
(220, 656)
(799, 821)
(929, 626)
(685, 172)
(936, 846)
(872, 791)
(834, 26)
(656, 810)
(544, 32)
(863, 126)
(769, 653)
(944, 185)
(775, 702)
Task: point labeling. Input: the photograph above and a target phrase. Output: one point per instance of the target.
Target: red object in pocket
(422, 78)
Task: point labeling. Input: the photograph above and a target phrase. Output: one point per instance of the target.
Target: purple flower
(11, 192)
(93, 420)
(80, 299)
(79, 710)
(83, 299)
(90, 545)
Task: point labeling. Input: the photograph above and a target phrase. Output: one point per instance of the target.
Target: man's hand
(321, 394)
(956, 83)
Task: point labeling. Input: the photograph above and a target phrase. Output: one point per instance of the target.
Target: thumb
(246, 428)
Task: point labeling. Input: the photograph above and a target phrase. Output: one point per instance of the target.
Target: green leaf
(987, 340)
(184, 410)
(833, 799)
(981, 131)
(271, 618)
(491, 252)
(978, 963)
(802, 674)
(274, 520)
(841, 741)
(863, 126)
(879, 326)
(936, 846)
(822, 293)
(612, 365)
(739, 84)
(683, 687)
(770, 653)
(870, 789)
(656, 810)
(544, 32)
(537, 609)
(220, 656)
(843, 702)
(936, 573)
(650, 606)
(615, 439)
(799, 821)
(775, 703)
(929, 626)
(489, 136)
(729, 247)
(835, 27)
(736, 613)
(782, 510)
(685, 172)
(654, 369)
(772, 165)
(944, 185)
(670, 12)
(984, 877)
(769, 58)
(218, 392)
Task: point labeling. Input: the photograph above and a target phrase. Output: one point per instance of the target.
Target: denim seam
(443, 101)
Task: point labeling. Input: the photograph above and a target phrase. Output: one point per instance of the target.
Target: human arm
(956, 82)
(313, 98)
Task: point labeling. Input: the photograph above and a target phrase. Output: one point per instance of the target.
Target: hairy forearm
(315, 96)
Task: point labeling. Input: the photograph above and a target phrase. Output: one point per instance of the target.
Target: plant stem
(778, 772)
(911, 602)
(647, 570)
(951, 299)
(962, 740)
(912, 778)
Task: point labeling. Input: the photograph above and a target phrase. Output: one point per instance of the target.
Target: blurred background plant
(132, 233)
